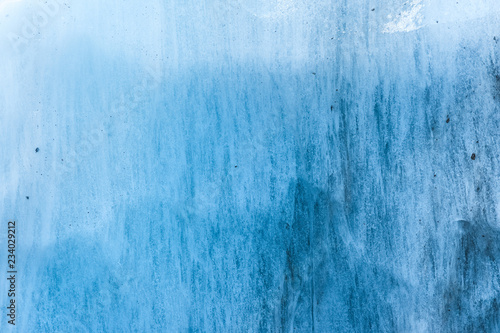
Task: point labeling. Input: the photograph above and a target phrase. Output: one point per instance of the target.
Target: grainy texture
(252, 166)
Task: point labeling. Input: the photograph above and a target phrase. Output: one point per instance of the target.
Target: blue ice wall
(251, 166)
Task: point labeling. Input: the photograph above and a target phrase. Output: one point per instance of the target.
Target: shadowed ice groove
(475, 276)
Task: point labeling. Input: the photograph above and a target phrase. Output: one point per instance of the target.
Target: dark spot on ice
(478, 189)
(373, 9)
(473, 156)
(28, 198)
(331, 108)
(447, 120)
(313, 73)
(434, 175)
(37, 150)
(235, 166)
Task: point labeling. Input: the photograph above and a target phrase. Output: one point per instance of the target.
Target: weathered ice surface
(251, 166)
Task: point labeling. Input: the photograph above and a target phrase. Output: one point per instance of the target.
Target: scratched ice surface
(251, 166)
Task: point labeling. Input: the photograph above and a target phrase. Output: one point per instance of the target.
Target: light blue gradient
(251, 166)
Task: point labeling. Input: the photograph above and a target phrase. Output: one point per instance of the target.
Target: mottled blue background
(251, 166)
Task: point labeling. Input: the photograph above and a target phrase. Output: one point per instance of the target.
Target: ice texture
(251, 165)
